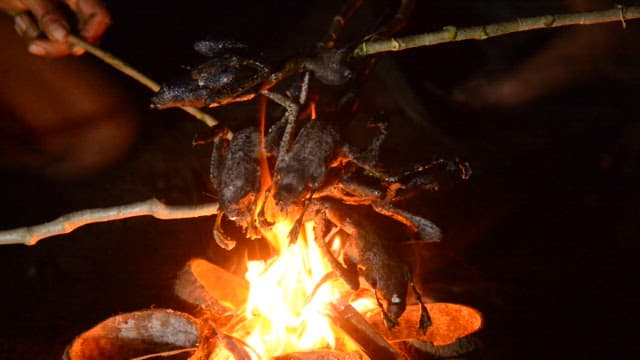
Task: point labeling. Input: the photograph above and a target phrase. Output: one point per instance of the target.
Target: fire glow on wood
(284, 309)
(291, 308)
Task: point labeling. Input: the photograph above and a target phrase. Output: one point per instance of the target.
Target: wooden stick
(337, 24)
(349, 320)
(452, 33)
(30, 235)
(136, 75)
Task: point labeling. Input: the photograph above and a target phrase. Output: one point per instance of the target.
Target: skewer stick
(136, 75)
(452, 33)
(30, 235)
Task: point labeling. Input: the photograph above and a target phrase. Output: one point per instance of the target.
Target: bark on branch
(452, 33)
(30, 235)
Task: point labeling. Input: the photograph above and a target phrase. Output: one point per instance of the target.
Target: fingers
(49, 18)
(29, 30)
(26, 27)
(43, 16)
(93, 17)
(35, 17)
(52, 49)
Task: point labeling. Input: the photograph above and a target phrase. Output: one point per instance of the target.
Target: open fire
(287, 307)
(300, 181)
(288, 301)
(299, 178)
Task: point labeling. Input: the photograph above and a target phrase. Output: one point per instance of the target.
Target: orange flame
(283, 312)
(286, 309)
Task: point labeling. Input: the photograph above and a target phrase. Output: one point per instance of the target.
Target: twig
(136, 75)
(30, 235)
(452, 33)
(337, 24)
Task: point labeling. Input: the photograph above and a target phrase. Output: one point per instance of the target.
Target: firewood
(453, 331)
(370, 340)
(138, 335)
(203, 283)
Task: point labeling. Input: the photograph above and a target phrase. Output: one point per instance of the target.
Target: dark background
(542, 239)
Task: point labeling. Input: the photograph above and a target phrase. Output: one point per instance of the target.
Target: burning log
(199, 283)
(223, 297)
(368, 338)
(453, 331)
(147, 334)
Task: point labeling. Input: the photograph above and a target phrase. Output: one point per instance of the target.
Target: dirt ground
(542, 239)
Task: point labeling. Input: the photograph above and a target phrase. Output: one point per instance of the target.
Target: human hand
(45, 28)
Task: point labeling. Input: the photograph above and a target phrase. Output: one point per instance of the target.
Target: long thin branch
(452, 33)
(136, 75)
(30, 235)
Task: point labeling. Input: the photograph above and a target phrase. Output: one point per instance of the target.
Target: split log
(146, 334)
(205, 284)
(453, 332)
